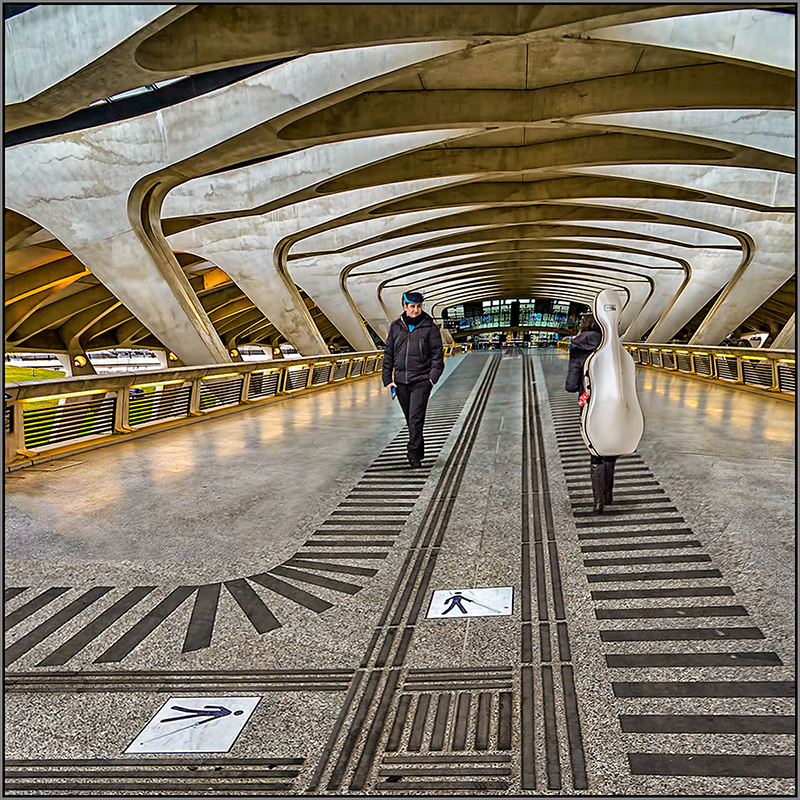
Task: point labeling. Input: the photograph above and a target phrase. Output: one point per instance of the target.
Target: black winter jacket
(582, 346)
(413, 356)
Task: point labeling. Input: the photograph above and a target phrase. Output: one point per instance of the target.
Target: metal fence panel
(216, 392)
(340, 370)
(357, 368)
(321, 374)
(702, 363)
(684, 362)
(160, 403)
(787, 376)
(296, 379)
(263, 384)
(67, 422)
(667, 360)
(757, 372)
(727, 367)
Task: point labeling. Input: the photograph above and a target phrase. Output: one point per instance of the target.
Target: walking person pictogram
(217, 712)
(455, 600)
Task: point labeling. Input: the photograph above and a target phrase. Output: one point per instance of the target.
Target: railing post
(194, 398)
(776, 382)
(15, 438)
(245, 388)
(122, 410)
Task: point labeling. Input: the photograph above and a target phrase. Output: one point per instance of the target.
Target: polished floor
(288, 553)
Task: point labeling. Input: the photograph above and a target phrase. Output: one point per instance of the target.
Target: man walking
(412, 363)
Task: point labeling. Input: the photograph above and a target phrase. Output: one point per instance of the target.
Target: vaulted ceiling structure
(198, 177)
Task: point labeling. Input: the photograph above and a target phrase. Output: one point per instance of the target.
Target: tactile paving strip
(346, 550)
(641, 549)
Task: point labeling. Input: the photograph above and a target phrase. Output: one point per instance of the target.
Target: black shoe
(414, 462)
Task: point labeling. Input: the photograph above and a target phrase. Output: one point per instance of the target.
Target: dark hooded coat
(582, 346)
(413, 355)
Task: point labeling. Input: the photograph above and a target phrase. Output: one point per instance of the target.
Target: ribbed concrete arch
(505, 147)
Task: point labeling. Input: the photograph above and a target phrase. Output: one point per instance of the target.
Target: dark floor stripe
(418, 725)
(636, 534)
(444, 758)
(483, 719)
(137, 787)
(91, 631)
(727, 766)
(262, 619)
(620, 513)
(607, 523)
(440, 722)
(504, 722)
(49, 626)
(574, 734)
(460, 726)
(396, 733)
(344, 569)
(319, 580)
(676, 611)
(292, 593)
(375, 513)
(370, 532)
(12, 592)
(748, 659)
(602, 548)
(656, 575)
(204, 614)
(33, 605)
(346, 543)
(145, 626)
(674, 591)
(550, 730)
(433, 772)
(707, 723)
(333, 554)
(704, 689)
(680, 634)
(622, 561)
(442, 786)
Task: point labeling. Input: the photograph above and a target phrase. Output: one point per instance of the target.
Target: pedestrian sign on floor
(456, 603)
(195, 725)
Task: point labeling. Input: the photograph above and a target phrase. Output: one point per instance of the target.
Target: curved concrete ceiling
(473, 151)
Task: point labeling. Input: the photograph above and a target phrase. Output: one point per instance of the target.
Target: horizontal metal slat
(263, 385)
(727, 368)
(787, 378)
(215, 393)
(321, 374)
(684, 362)
(757, 373)
(340, 370)
(161, 404)
(296, 379)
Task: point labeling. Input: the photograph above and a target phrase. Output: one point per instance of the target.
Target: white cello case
(612, 422)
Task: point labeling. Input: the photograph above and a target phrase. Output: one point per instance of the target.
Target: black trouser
(413, 399)
(602, 459)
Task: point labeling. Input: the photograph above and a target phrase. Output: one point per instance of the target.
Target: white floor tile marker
(195, 725)
(456, 603)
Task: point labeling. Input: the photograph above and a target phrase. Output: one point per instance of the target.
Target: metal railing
(44, 418)
(67, 414)
(767, 370)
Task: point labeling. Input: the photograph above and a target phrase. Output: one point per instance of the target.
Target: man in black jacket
(414, 354)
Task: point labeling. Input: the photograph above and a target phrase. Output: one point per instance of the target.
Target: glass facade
(536, 313)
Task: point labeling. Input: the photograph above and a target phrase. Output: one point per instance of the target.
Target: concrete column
(106, 209)
(787, 338)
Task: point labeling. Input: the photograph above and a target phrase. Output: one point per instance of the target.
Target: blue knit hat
(412, 297)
